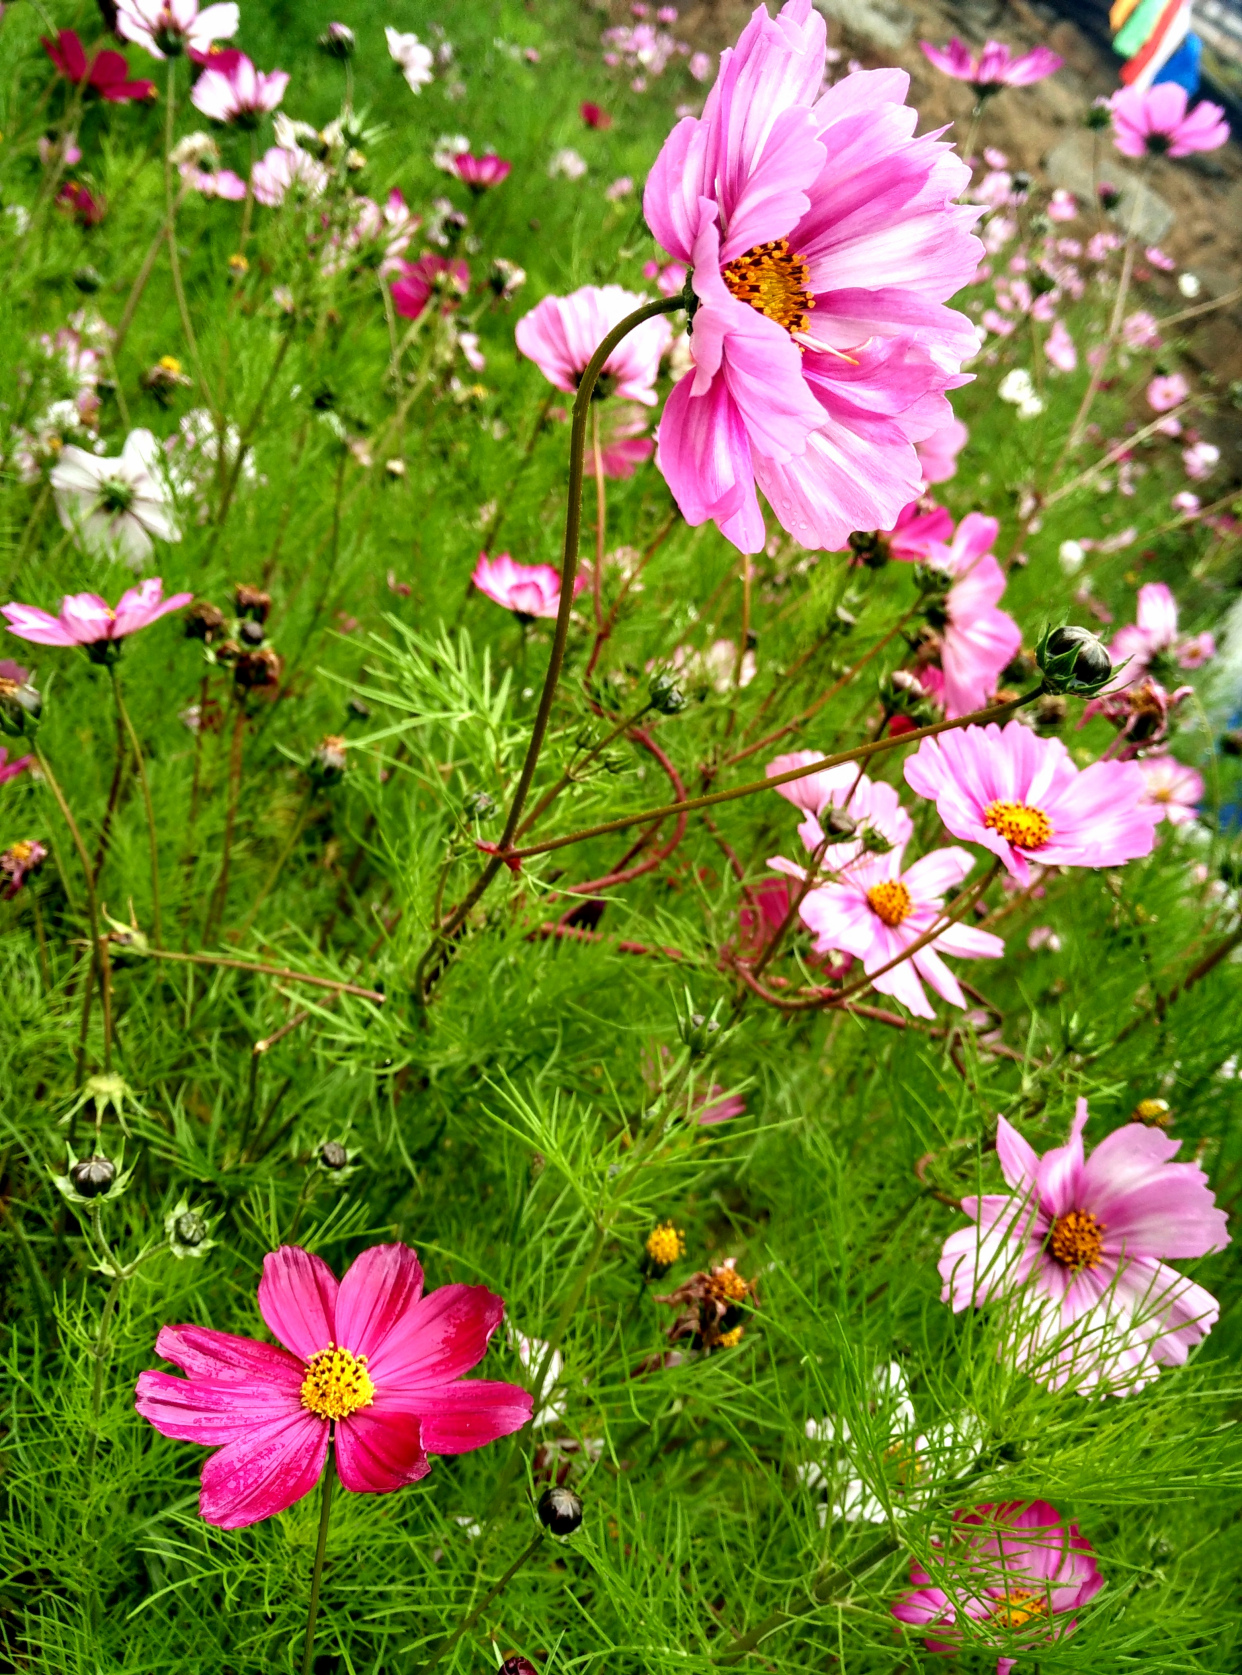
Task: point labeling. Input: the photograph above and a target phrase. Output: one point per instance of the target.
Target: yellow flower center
(905, 1463)
(774, 279)
(336, 1383)
(727, 1285)
(730, 1339)
(170, 363)
(1019, 1606)
(665, 1244)
(21, 851)
(1161, 795)
(1154, 1112)
(1019, 824)
(890, 901)
(1077, 1239)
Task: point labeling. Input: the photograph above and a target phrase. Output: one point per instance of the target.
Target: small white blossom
(414, 59)
(567, 163)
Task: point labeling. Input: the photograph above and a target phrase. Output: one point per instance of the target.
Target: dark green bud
(1073, 660)
(93, 1176)
(666, 696)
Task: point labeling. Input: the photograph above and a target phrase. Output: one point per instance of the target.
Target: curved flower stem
(273, 876)
(569, 572)
(601, 521)
(325, 1515)
(336, 984)
(567, 778)
(443, 1647)
(99, 949)
(152, 839)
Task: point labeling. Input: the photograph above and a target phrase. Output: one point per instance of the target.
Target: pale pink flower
(1062, 206)
(10, 770)
(623, 439)
(1140, 330)
(560, 335)
(1011, 1570)
(1172, 788)
(1158, 259)
(239, 94)
(1023, 798)
(1187, 503)
(670, 277)
(1060, 349)
(478, 173)
(870, 805)
(824, 241)
(938, 452)
(700, 66)
(976, 640)
(1076, 1251)
(414, 60)
(1200, 460)
(995, 67)
(528, 590)
(167, 28)
(371, 1366)
(280, 169)
(1100, 246)
(621, 188)
(1167, 390)
(22, 858)
(1154, 637)
(87, 620)
(1154, 121)
(216, 183)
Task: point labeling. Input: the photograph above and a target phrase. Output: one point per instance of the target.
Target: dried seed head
(257, 670)
(204, 622)
(251, 601)
(329, 760)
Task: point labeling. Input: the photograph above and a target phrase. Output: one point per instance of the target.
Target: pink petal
(297, 1299)
(275, 1466)
(30, 623)
(469, 1414)
(379, 1449)
(1149, 1205)
(1019, 1160)
(704, 455)
(222, 1357)
(375, 1296)
(445, 1334)
(206, 1411)
(1061, 1169)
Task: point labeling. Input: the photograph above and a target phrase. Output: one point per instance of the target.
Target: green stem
(441, 1650)
(170, 227)
(152, 838)
(98, 948)
(325, 1514)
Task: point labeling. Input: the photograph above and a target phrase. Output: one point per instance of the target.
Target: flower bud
(559, 1510)
(21, 706)
(251, 633)
(1041, 283)
(87, 279)
(93, 1176)
(515, 1664)
(204, 622)
(251, 602)
(665, 1245)
(333, 1155)
(1110, 197)
(479, 805)
(505, 278)
(188, 1231)
(874, 841)
(329, 760)
(337, 41)
(869, 547)
(357, 709)
(1098, 115)
(697, 1030)
(837, 826)
(1021, 183)
(1073, 660)
(190, 1228)
(665, 695)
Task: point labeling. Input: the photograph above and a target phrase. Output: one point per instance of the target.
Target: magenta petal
(211, 1412)
(375, 1295)
(471, 1413)
(704, 455)
(379, 1449)
(439, 1339)
(297, 1299)
(28, 622)
(221, 1356)
(274, 1466)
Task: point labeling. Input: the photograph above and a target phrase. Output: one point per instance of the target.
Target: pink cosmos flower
(371, 1365)
(920, 526)
(429, 276)
(1012, 1569)
(1167, 390)
(1062, 206)
(560, 335)
(624, 442)
(1154, 638)
(1155, 121)
(21, 859)
(1060, 348)
(87, 620)
(10, 770)
(593, 115)
(874, 910)
(1173, 789)
(1200, 460)
(1022, 797)
(217, 183)
(106, 74)
(87, 209)
(870, 805)
(824, 240)
(237, 93)
(976, 640)
(169, 27)
(1140, 330)
(1140, 713)
(478, 173)
(670, 277)
(528, 590)
(938, 452)
(280, 169)
(995, 67)
(1076, 1252)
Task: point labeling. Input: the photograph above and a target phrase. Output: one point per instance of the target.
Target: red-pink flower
(976, 640)
(938, 452)
(10, 770)
(593, 115)
(371, 1365)
(920, 526)
(560, 335)
(824, 240)
(1023, 798)
(86, 209)
(1076, 1251)
(232, 90)
(995, 67)
(1154, 637)
(528, 590)
(1173, 789)
(1155, 121)
(429, 276)
(87, 620)
(107, 73)
(478, 173)
(623, 441)
(1011, 1570)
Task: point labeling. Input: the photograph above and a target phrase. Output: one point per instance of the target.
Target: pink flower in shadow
(1154, 121)
(1173, 789)
(1153, 638)
(371, 1365)
(528, 590)
(430, 276)
(977, 641)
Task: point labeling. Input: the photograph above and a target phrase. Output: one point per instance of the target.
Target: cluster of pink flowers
(643, 48)
(974, 641)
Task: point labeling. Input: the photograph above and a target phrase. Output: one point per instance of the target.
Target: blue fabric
(1183, 66)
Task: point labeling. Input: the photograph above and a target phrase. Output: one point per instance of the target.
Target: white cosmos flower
(167, 27)
(533, 1353)
(115, 506)
(414, 59)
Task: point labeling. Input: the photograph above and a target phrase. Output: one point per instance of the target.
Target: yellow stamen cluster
(170, 363)
(775, 280)
(731, 1339)
(336, 1383)
(1019, 824)
(1154, 1112)
(1019, 1606)
(21, 851)
(727, 1285)
(907, 1466)
(1077, 1240)
(665, 1244)
(890, 901)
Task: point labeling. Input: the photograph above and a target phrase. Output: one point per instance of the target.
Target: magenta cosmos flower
(10, 770)
(824, 241)
(1173, 790)
(976, 640)
(1012, 1569)
(1154, 121)
(87, 620)
(167, 28)
(237, 93)
(1076, 1252)
(995, 67)
(430, 276)
(371, 1365)
(1022, 797)
(560, 335)
(106, 74)
(478, 173)
(1153, 639)
(528, 590)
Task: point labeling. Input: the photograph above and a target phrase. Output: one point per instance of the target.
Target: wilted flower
(329, 760)
(713, 1306)
(238, 94)
(167, 28)
(995, 67)
(23, 858)
(1154, 121)
(414, 60)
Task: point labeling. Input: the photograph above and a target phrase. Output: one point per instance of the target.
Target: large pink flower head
(528, 590)
(1012, 1570)
(1154, 121)
(238, 93)
(167, 28)
(995, 67)
(1076, 1253)
(87, 620)
(1022, 797)
(371, 1365)
(824, 241)
(560, 334)
(976, 641)
(1153, 639)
